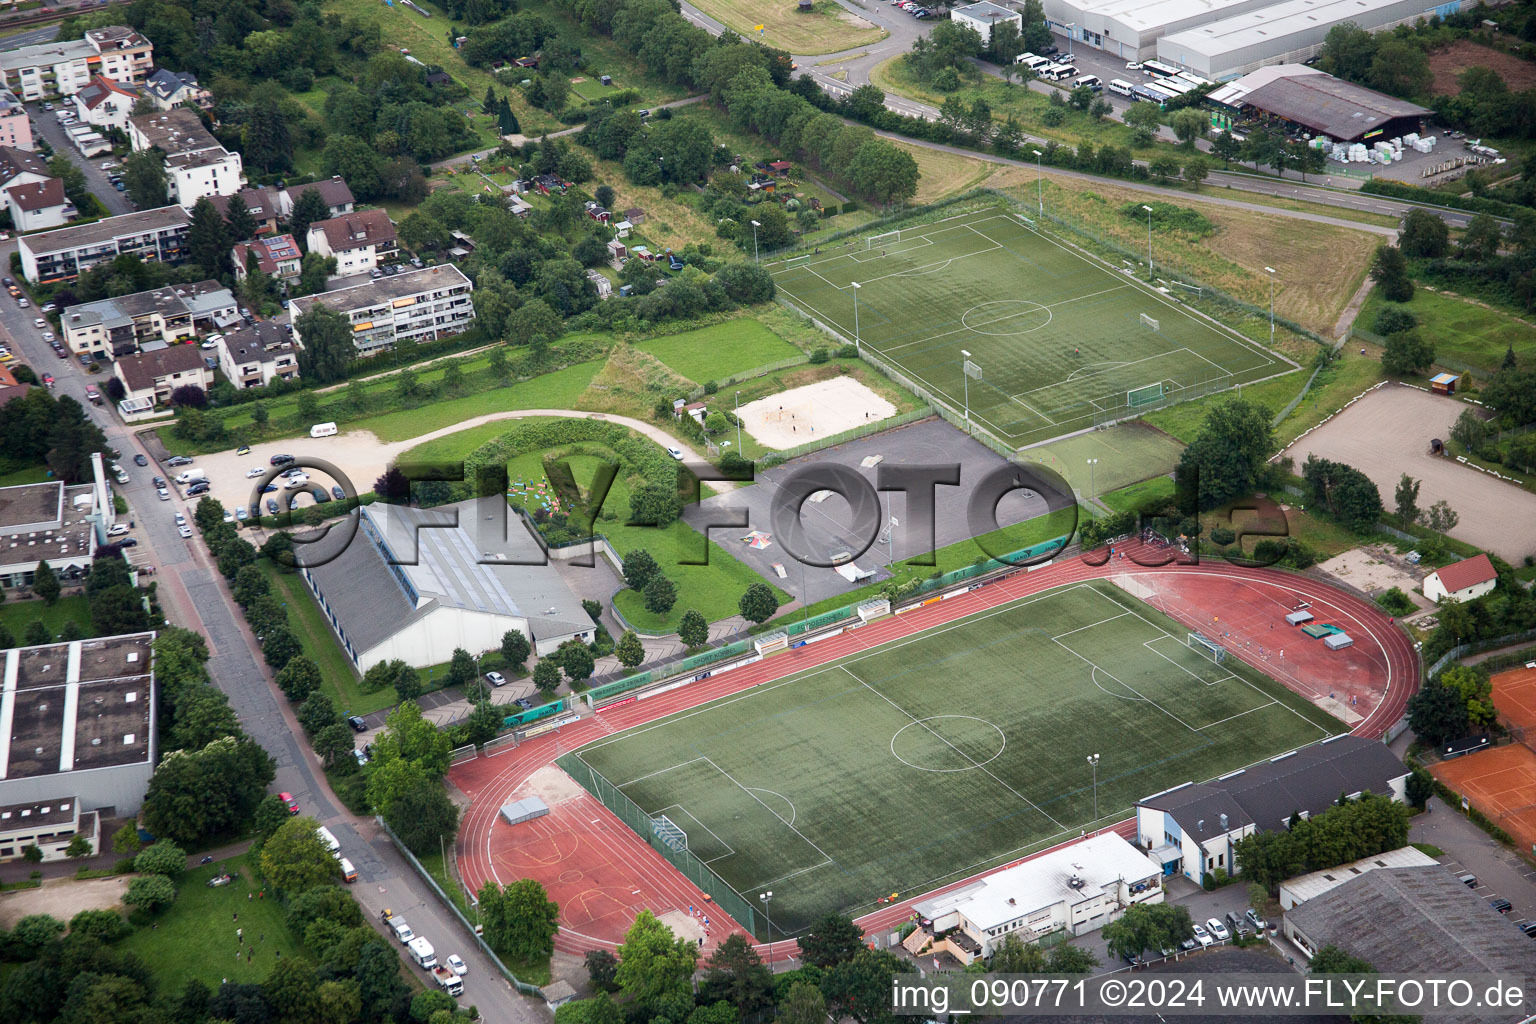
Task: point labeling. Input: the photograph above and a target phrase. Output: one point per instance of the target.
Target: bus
(1174, 85)
(1155, 93)
(1157, 70)
(1194, 80)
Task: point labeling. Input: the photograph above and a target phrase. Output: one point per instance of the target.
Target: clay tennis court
(1514, 695)
(601, 873)
(1501, 783)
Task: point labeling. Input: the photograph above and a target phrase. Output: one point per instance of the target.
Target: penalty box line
(729, 850)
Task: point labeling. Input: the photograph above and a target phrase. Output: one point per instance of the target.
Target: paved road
(194, 595)
(45, 124)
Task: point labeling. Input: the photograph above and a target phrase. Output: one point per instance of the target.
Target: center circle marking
(921, 722)
(1004, 318)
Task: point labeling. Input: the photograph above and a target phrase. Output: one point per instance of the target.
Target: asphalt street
(194, 595)
(45, 124)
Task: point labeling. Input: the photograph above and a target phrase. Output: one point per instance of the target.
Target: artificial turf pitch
(1058, 336)
(928, 759)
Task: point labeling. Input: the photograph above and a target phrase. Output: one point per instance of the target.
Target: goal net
(876, 241)
(1147, 321)
(1202, 644)
(1145, 395)
(796, 261)
(668, 832)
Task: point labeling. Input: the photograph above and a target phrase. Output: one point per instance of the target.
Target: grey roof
(97, 232)
(362, 591)
(179, 133)
(1308, 781)
(383, 290)
(1330, 105)
(985, 10)
(40, 54)
(1417, 921)
(485, 566)
(198, 298)
(166, 84)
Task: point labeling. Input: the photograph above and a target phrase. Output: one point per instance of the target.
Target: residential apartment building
(196, 165)
(278, 257)
(105, 103)
(337, 196)
(167, 89)
(150, 377)
(256, 355)
(145, 321)
(64, 68)
(15, 125)
(264, 203)
(39, 205)
(20, 167)
(51, 522)
(420, 305)
(360, 241)
(159, 234)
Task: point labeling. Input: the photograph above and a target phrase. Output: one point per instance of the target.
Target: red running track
(602, 874)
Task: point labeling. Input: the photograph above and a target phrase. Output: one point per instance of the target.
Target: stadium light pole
(767, 898)
(966, 377)
(1093, 762)
(856, 343)
(1093, 491)
(1039, 183)
(1271, 271)
(1144, 206)
(738, 423)
(756, 225)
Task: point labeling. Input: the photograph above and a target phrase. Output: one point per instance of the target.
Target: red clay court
(602, 874)
(1501, 783)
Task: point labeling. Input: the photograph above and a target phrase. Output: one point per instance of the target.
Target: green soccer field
(1062, 342)
(928, 759)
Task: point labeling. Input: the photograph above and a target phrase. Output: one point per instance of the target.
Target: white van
(1035, 63)
(1122, 88)
(1090, 82)
(322, 430)
(348, 872)
(190, 475)
(402, 930)
(1025, 58)
(329, 840)
(1056, 72)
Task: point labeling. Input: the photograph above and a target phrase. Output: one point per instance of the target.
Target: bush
(1392, 320)
(848, 352)
(820, 356)
(1396, 602)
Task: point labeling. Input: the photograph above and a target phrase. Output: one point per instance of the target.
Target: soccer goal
(668, 832)
(1145, 395)
(1147, 321)
(797, 261)
(1202, 644)
(876, 241)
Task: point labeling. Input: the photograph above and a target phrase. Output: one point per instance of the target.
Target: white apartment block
(421, 305)
(196, 165)
(61, 255)
(360, 241)
(63, 69)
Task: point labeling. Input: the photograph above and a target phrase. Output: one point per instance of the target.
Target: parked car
(181, 519)
(1259, 924)
(201, 487)
(244, 449)
(280, 460)
(164, 494)
(1500, 904)
(338, 494)
(178, 460)
(496, 679)
(289, 802)
(1529, 927)
(676, 453)
(241, 515)
(1202, 936)
(320, 496)
(39, 323)
(185, 531)
(117, 530)
(1217, 930)
(272, 506)
(140, 459)
(457, 965)
(128, 542)
(524, 703)
(357, 724)
(254, 472)
(157, 481)
(51, 307)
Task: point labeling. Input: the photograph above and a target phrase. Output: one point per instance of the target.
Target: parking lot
(46, 125)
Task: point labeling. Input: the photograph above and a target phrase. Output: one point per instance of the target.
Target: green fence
(818, 621)
(695, 870)
(710, 657)
(534, 714)
(598, 694)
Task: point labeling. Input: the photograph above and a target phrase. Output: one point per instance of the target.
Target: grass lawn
(1462, 329)
(196, 935)
(900, 768)
(828, 28)
(712, 589)
(338, 678)
(26, 475)
(1127, 499)
(16, 615)
(717, 352)
(1125, 453)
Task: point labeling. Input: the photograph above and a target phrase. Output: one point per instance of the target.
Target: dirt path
(363, 458)
(1347, 318)
(62, 898)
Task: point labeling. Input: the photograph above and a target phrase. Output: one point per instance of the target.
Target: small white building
(105, 103)
(255, 356)
(196, 164)
(360, 240)
(1461, 581)
(1077, 889)
(39, 205)
(153, 376)
(1296, 891)
(983, 16)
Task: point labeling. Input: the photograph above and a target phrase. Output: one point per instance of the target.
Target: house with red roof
(1461, 581)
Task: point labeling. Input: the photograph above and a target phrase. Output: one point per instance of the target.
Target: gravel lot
(1387, 434)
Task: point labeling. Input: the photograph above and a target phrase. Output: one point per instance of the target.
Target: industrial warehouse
(1222, 39)
(1300, 100)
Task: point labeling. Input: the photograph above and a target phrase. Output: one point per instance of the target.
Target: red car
(289, 802)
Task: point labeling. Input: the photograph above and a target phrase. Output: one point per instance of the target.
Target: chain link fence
(641, 823)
